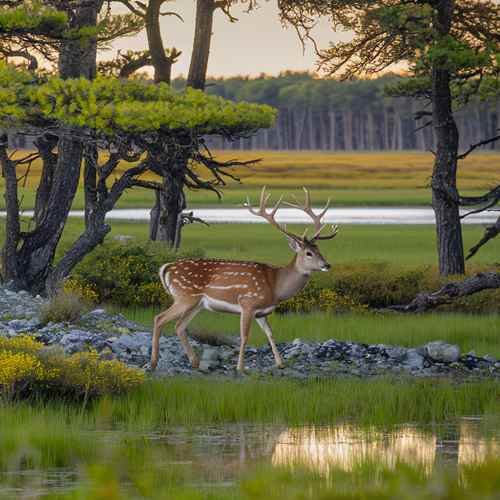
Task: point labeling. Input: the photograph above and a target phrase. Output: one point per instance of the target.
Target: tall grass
(194, 401)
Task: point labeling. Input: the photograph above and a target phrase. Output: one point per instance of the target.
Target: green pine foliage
(108, 105)
(32, 17)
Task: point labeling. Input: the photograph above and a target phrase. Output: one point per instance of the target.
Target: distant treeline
(327, 114)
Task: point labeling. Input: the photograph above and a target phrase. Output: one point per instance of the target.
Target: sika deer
(250, 289)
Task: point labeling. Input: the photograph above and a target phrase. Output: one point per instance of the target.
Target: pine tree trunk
(444, 176)
(171, 205)
(201, 45)
(161, 63)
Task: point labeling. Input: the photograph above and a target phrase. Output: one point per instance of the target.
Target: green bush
(352, 288)
(126, 274)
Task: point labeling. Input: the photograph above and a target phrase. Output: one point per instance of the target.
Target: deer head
(308, 255)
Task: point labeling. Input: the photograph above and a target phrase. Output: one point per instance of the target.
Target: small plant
(64, 306)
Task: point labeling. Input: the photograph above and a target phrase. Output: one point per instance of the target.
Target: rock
(396, 353)
(76, 341)
(414, 360)
(19, 325)
(209, 359)
(127, 343)
(441, 351)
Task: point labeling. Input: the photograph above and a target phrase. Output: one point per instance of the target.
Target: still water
(217, 456)
(351, 215)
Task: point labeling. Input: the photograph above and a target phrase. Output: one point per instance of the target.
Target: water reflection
(344, 447)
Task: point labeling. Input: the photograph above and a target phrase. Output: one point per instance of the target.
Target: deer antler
(316, 218)
(269, 216)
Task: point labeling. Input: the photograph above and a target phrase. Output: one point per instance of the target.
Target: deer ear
(294, 244)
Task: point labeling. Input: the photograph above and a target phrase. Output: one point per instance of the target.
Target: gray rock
(19, 325)
(396, 353)
(209, 359)
(414, 360)
(441, 351)
(76, 341)
(127, 343)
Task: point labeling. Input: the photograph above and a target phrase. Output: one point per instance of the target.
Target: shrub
(28, 368)
(126, 274)
(65, 306)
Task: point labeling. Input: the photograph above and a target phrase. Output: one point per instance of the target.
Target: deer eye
(309, 254)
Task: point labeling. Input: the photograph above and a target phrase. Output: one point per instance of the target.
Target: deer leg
(180, 329)
(173, 312)
(245, 323)
(266, 328)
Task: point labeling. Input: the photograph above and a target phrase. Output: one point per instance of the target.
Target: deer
(251, 289)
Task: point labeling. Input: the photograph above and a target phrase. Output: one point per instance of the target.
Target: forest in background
(332, 115)
(328, 114)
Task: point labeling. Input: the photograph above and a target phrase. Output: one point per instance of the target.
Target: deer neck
(290, 280)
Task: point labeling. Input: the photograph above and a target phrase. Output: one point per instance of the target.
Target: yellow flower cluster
(98, 377)
(84, 290)
(17, 367)
(21, 343)
(24, 364)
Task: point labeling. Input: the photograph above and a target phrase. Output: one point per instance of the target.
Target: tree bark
(172, 203)
(45, 144)
(201, 45)
(12, 223)
(162, 64)
(444, 176)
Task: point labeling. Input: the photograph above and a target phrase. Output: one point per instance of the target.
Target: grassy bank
(356, 178)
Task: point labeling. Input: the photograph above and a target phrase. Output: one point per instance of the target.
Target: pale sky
(256, 44)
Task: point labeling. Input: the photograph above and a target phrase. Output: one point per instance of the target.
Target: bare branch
(490, 232)
(472, 147)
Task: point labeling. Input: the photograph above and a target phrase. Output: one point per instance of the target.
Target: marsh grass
(387, 178)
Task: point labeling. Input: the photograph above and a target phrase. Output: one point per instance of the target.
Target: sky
(257, 43)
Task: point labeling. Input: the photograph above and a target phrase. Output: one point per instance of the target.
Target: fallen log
(451, 291)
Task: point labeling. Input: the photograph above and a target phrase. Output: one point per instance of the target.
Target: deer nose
(326, 266)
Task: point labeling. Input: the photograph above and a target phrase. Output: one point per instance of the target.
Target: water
(217, 456)
(351, 215)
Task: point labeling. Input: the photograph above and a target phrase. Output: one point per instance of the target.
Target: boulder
(442, 352)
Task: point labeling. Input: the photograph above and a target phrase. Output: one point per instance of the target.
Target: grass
(210, 401)
(477, 333)
(403, 245)
(374, 178)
